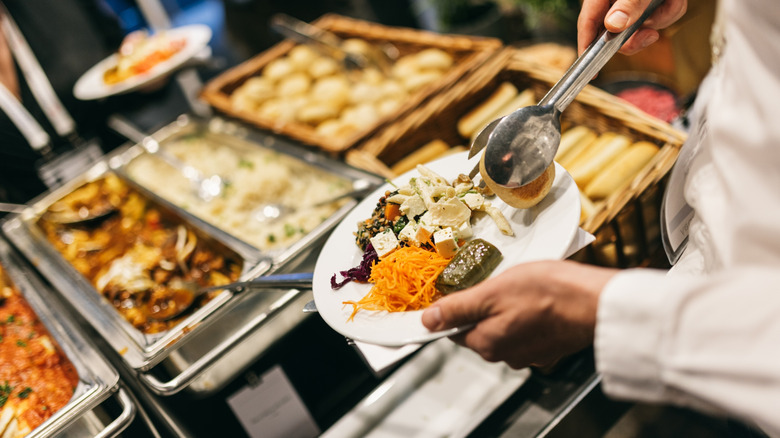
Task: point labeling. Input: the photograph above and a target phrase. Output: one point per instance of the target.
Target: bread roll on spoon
(525, 196)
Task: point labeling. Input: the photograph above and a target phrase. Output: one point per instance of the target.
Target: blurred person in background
(67, 37)
(705, 333)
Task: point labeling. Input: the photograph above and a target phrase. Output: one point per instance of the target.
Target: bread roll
(301, 56)
(621, 170)
(486, 111)
(521, 197)
(572, 141)
(278, 69)
(416, 81)
(424, 154)
(433, 58)
(597, 157)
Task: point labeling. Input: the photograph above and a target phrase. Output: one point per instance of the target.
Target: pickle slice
(472, 264)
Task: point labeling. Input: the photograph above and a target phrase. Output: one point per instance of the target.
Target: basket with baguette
(302, 93)
(617, 155)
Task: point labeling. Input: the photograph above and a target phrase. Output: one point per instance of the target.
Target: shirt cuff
(629, 335)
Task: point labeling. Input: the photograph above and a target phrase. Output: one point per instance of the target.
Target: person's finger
(668, 13)
(590, 22)
(640, 40)
(624, 13)
(458, 309)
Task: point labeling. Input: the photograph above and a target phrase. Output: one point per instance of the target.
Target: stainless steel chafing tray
(143, 352)
(98, 382)
(220, 136)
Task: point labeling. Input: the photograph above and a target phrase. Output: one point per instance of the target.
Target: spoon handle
(295, 280)
(591, 62)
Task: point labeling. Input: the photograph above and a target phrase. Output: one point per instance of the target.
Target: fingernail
(617, 19)
(432, 318)
(650, 40)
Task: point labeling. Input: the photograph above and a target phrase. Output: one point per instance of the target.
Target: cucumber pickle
(470, 265)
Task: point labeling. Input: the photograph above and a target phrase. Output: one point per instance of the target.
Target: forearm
(697, 342)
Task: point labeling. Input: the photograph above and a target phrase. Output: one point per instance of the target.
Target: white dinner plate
(91, 86)
(542, 232)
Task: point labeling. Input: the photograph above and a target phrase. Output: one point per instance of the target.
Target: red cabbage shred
(359, 273)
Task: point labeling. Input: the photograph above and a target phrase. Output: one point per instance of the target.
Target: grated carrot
(404, 280)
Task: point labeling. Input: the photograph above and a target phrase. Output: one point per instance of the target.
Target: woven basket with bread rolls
(296, 91)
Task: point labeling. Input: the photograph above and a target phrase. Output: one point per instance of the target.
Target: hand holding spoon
(523, 144)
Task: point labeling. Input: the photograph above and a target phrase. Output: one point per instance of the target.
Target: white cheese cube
(445, 242)
(413, 206)
(409, 233)
(384, 243)
(473, 200)
(464, 231)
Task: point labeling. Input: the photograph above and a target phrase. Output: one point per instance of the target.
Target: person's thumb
(624, 13)
(453, 311)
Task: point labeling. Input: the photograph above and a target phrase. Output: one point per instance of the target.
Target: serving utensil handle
(587, 65)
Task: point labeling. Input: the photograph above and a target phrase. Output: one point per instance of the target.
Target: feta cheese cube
(409, 233)
(445, 242)
(464, 231)
(413, 206)
(384, 243)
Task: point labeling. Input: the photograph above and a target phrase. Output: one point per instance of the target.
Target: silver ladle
(206, 188)
(521, 145)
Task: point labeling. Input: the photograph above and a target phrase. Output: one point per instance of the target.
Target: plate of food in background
(141, 60)
(430, 232)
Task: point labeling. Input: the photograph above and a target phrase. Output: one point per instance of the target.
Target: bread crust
(526, 196)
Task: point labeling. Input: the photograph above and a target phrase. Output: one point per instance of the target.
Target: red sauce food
(654, 101)
(36, 379)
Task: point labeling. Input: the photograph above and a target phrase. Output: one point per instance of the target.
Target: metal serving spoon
(205, 187)
(188, 298)
(271, 212)
(521, 145)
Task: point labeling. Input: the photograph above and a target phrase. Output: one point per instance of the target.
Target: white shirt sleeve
(712, 341)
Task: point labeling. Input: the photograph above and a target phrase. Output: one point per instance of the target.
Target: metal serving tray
(98, 382)
(143, 352)
(239, 138)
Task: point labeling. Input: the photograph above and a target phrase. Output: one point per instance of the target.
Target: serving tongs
(520, 146)
(330, 45)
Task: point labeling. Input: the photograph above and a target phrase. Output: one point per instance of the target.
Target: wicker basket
(626, 224)
(468, 53)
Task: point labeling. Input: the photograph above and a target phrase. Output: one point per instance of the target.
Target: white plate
(91, 86)
(542, 232)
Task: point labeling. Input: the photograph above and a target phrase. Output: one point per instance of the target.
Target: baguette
(572, 141)
(482, 114)
(597, 157)
(525, 98)
(587, 208)
(424, 154)
(621, 170)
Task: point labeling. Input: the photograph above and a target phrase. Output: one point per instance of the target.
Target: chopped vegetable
(472, 264)
(404, 280)
(360, 273)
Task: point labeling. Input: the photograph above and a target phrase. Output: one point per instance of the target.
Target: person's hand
(616, 16)
(533, 313)
(8, 68)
